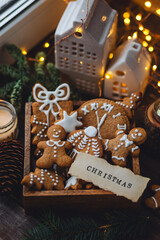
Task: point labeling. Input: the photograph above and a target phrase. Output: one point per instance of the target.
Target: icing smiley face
(56, 132)
(137, 135)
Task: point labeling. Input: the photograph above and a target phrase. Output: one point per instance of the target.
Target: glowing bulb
(141, 28)
(104, 18)
(139, 17)
(127, 21)
(126, 14)
(145, 44)
(110, 56)
(24, 52)
(154, 67)
(79, 29)
(151, 49)
(145, 31)
(107, 76)
(41, 59)
(158, 11)
(135, 35)
(81, 62)
(148, 38)
(46, 45)
(129, 37)
(158, 84)
(148, 4)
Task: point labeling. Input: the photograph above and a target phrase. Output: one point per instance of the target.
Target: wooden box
(71, 199)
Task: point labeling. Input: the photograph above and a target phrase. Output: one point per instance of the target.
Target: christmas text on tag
(121, 181)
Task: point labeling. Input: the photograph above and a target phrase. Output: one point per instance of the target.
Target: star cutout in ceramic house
(69, 122)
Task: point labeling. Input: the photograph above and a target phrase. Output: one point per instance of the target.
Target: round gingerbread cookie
(105, 115)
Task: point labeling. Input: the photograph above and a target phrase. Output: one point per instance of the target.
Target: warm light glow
(154, 67)
(134, 35)
(46, 45)
(158, 84)
(79, 29)
(145, 44)
(146, 68)
(123, 85)
(145, 31)
(127, 21)
(158, 11)
(110, 56)
(141, 28)
(139, 17)
(41, 59)
(81, 62)
(104, 18)
(126, 14)
(148, 4)
(148, 38)
(24, 52)
(65, 59)
(151, 49)
(107, 76)
(129, 37)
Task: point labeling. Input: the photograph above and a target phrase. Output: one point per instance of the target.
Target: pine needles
(114, 225)
(17, 81)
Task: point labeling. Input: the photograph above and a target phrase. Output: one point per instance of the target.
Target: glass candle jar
(8, 121)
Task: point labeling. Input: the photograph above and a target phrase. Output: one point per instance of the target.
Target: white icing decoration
(43, 97)
(52, 143)
(134, 136)
(136, 130)
(139, 134)
(157, 189)
(119, 132)
(119, 158)
(85, 110)
(90, 131)
(156, 204)
(117, 115)
(99, 124)
(71, 181)
(69, 122)
(124, 126)
(106, 144)
(107, 107)
(127, 142)
(94, 106)
(135, 148)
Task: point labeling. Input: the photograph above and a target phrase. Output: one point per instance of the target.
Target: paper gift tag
(121, 181)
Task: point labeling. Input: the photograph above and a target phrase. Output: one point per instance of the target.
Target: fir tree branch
(9, 71)
(20, 59)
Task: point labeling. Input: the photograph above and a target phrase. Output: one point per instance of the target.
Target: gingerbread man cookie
(85, 141)
(123, 145)
(154, 201)
(130, 103)
(44, 179)
(54, 149)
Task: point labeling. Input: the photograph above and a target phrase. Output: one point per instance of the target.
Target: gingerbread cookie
(54, 149)
(76, 184)
(105, 115)
(130, 103)
(69, 122)
(86, 141)
(123, 145)
(47, 107)
(44, 179)
(154, 201)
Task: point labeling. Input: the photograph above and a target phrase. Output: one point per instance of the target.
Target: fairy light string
(133, 22)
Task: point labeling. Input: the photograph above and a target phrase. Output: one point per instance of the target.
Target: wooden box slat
(72, 199)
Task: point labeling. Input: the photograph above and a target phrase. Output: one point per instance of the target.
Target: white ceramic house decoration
(128, 71)
(83, 55)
